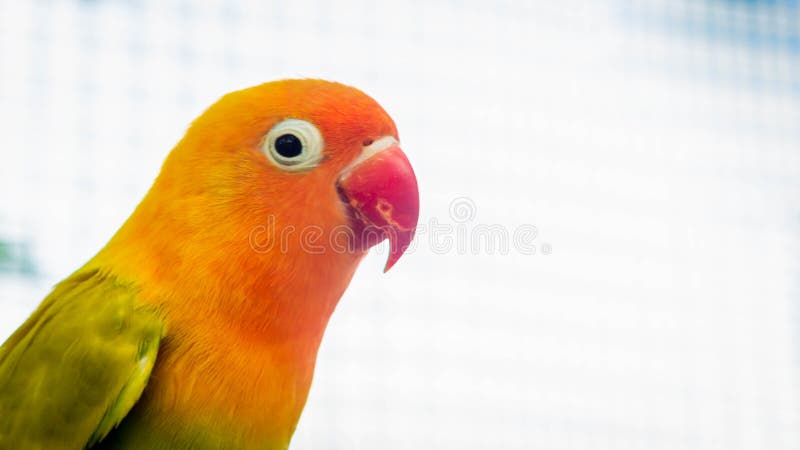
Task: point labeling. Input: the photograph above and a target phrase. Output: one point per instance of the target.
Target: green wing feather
(75, 368)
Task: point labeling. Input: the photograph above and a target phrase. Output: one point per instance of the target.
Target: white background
(654, 145)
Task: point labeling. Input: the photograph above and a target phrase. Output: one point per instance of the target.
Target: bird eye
(294, 145)
(288, 146)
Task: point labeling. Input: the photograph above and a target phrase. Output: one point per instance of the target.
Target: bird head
(299, 160)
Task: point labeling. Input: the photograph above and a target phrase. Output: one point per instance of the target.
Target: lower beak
(382, 193)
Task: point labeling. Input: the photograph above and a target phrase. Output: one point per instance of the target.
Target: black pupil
(288, 146)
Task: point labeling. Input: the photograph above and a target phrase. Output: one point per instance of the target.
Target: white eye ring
(301, 145)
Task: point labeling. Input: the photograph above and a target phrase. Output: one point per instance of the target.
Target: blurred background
(653, 145)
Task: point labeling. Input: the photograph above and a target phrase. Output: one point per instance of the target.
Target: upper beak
(381, 189)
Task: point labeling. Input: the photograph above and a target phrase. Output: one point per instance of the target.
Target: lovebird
(197, 325)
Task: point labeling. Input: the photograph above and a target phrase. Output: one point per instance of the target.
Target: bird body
(197, 326)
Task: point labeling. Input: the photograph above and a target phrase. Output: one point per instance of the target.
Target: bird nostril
(367, 142)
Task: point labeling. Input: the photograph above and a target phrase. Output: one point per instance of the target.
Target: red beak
(382, 193)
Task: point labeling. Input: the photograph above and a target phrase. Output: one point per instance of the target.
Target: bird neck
(243, 324)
